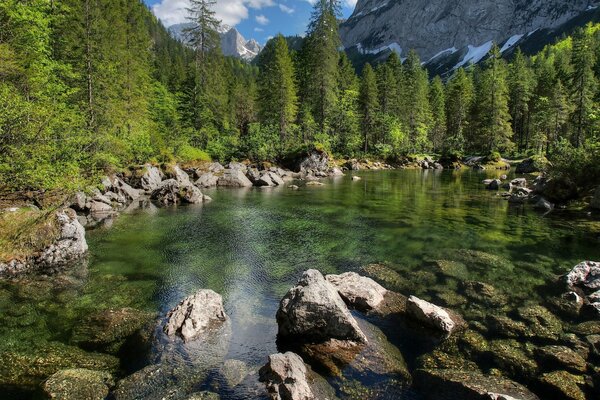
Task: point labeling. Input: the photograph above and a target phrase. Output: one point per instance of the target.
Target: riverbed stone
(359, 292)
(264, 180)
(195, 315)
(276, 179)
(151, 178)
(585, 275)
(171, 191)
(344, 358)
(78, 384)
(234, 178)
(587, 328)
(512, 357)
(438, 359)
(234, 372)
(562, 385)
(484, 294)
(451, 384)
(107, 330)
(432, 316)
(28, 367)
(285, 376)
(386, 276)
(313, 310)
(507, 327)
(560, 357)
(568, 304)
(541, 322)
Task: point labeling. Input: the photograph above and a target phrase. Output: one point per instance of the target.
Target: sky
(255, 19)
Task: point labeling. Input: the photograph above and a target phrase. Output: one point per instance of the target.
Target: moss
(26, 232)
(541, 323)
(563, 385)
(512, 357)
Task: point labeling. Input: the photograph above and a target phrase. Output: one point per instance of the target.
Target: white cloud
(261, 19)
(230, 12)
(257, 29)
(286, 9)
(350, 3)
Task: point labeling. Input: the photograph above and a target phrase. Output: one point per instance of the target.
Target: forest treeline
(90, 86)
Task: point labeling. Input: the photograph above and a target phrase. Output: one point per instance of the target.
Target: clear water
(252, 245)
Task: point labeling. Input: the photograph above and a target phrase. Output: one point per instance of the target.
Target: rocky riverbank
(337, 340)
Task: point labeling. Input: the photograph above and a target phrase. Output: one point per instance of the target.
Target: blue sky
(258, 19)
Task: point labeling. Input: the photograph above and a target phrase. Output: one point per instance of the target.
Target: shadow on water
(252, 245)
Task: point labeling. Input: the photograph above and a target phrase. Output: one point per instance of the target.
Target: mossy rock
(37, 362)
(385, 276)
(512, 357)
(507, 327)
(453, 269)
(484, 294)
(561, 357)
(473, 344)
(587, 328)
(78, 384)
(482, 259)
(204, 396)
(541, 323)
(561, 385)
(108, 330)
(451, 299)
(439, 359)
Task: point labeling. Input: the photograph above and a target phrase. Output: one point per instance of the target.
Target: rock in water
(173, 192)
(234, 178)
(585, 275)
(362, 293)
(450, 384)
(313, 310)
(151, 178)
(431, 315)
(78, 384)
(195, 315)
(286, 377)
(70, 246)
(207, 180)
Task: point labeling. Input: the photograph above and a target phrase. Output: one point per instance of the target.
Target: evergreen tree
(345, 119)
(521, 85)
(277, 89)
(583, 85)
(493, 117)
(369, 105)
(437, 100)
(417, 111)
(459, 100)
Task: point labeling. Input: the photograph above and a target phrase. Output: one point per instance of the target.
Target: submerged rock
(356, 178)
(108, 330)
(512, 357)
(285, 376)
(432, 316)
(562, 385)
(561, 357)
(28, 367)
(78, 384)
(541, 322)
(313, 310)
(195, 315)
(359, 292)
(450, 384)
(234, 372)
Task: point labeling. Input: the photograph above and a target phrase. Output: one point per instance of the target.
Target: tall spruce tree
(521, 86)
(276, 87)
(437, 100)
(417, 111)
(459, 100)
(493, 129)
(369, 105)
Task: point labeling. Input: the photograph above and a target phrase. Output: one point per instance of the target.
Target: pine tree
(583, 84)
(521, 85)
(345, 118)
(493, 117)
(437, 100)
(277, 89)
(321, 57)
(417, 117)
(369, 105)
(459, 100)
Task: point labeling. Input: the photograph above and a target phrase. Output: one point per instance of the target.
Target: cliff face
(435, 28)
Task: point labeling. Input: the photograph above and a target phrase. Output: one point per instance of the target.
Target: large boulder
(285, 376)
(359, 292)
(315, 161)
(431, 315)
(314, 311)
(151, 178)
(585, 275)
(118, 186)
(234, 178)
(206, 180)
(176, 173)
(195, 315)
(173, 192)
(596, 199)
(70, 244)
(78, 384)
(450, 384)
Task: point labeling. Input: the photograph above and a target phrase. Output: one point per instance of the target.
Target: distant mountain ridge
(232, 42)
(449, 34)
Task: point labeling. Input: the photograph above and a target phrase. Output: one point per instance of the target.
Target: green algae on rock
(78, 384)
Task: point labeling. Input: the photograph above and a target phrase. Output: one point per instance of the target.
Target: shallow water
(252, 245)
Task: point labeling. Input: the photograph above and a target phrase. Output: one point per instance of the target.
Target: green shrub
(187, 153)
(492, 157)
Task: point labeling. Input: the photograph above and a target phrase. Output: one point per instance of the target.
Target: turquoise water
(252, 245)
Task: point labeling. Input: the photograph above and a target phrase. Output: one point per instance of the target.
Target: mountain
(448, 34)
(232, 42)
